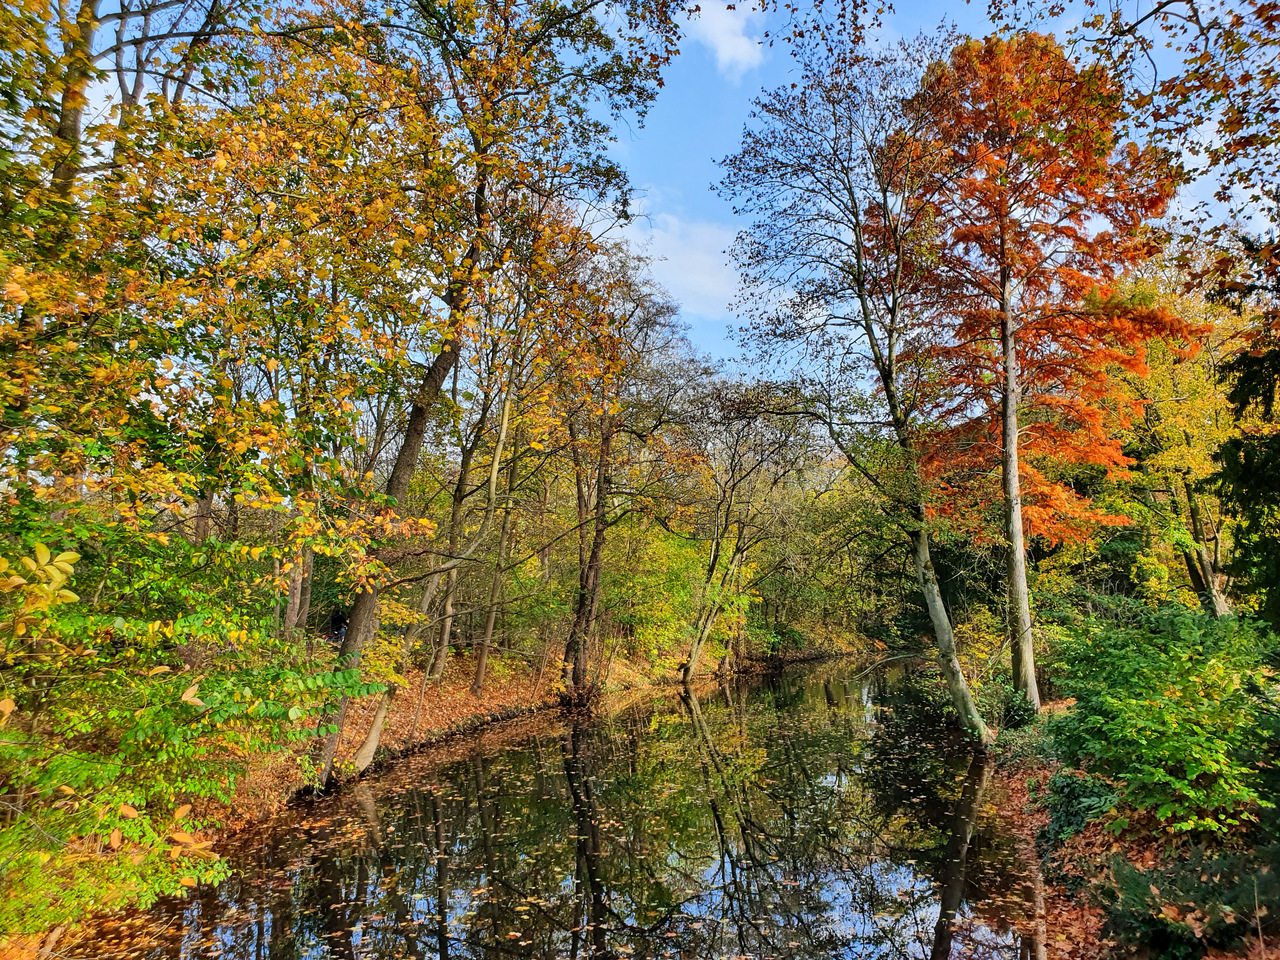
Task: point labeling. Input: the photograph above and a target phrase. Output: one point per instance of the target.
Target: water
(812, 815)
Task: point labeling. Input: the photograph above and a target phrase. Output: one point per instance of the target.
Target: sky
(696, 121)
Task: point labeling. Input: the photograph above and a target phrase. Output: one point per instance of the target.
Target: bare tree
(835, 270)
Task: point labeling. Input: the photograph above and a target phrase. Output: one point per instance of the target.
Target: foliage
(324, 327)
(1029, 286)
(1164, 711)
(775, 639)
(1073, 800)
(1201, 901)
(1016, 712)
(108, 735)
(1248, 470)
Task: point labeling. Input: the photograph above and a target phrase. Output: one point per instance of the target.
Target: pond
(814, 814)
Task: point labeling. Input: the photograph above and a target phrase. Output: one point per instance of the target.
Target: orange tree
(1040, 208)
(840, 180)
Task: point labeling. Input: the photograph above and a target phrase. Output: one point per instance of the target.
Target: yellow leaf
(42, 554)
(255, 552)
(154, 670)
(188, 881)
(182, 811)
(66, 557)
(7, 707)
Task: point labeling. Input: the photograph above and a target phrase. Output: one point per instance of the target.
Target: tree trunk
(365, 755)
(1210, 587)
(293, 601)
(1021, 642)
(304, 601)
(446, 626)
(584, 617)
(961, 698)
(204, 513)
(361, 627)
(495, 587)
(75, 85)
(590, 558)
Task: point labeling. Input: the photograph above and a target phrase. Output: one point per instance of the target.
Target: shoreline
(257, 802)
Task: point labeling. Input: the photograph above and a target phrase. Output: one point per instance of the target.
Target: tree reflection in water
(805, 817)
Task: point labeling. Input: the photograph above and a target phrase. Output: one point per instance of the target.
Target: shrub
(1026, 744)
(1204, 901)
(111, 727)
(1073, 800)
(1016, 710)
(1164, 711)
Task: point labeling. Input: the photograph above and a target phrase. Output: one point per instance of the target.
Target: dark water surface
(812, 815)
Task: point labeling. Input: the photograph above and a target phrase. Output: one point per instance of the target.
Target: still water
(817, 814)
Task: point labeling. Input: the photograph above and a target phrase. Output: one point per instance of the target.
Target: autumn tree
(517, 83)
(1040, 207)
(1186, 418)
(747, 454)
(841, 184)
(607, 423)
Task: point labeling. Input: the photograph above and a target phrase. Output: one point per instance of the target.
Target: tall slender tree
(841, 185)
(1039, 207)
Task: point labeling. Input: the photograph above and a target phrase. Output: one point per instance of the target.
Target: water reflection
(805, 817)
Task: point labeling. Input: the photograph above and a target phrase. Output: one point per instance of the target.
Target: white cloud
(691, 261)
(729, 35)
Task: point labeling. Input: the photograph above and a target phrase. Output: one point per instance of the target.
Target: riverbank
(429, 711)
(1077, 880)
(671, 807)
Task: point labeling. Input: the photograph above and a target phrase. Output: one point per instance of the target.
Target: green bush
(1164, 711)
(1201, 902)
(776, 638)
(112, 727)
(1026, 744)
(1016, 710)
(1073, 800)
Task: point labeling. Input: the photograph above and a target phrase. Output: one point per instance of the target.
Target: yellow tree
(518, 80)
(1186, 417)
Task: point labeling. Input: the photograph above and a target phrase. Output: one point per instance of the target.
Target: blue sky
(698, 119)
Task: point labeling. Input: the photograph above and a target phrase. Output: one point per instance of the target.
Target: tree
(1246, 476)
(1040, 207)
(604, 403)
(747, 454)
(1186, 418)
(837, 264)
(523, 114)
